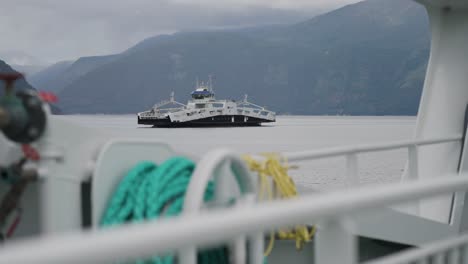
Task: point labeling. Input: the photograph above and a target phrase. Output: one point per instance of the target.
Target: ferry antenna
(210, 83)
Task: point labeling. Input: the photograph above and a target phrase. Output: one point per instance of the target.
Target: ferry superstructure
(205, 110)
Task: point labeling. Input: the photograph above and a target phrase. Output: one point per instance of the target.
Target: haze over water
(289, 133)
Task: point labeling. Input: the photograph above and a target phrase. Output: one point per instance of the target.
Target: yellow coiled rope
(276, 167)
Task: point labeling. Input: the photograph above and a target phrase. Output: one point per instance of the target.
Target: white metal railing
(223, 225)
(351, 154)
(196, 114)
(451, 251)
(181, 113)
(256, 112)
(219, 226)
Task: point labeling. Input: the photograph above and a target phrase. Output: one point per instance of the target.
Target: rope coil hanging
(150, 192)
(276, 168)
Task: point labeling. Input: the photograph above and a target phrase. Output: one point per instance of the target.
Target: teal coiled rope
(149, 192)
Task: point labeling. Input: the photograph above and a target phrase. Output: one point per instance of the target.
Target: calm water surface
(289, 133)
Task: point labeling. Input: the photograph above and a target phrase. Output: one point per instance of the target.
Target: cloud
(53, 30)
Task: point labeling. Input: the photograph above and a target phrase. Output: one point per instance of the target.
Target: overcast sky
(53, 30)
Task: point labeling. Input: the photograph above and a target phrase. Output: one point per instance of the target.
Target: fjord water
(289, 133)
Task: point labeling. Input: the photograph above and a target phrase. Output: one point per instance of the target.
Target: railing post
(335, 243)
(352, 173)
(439, 258)
(464, 254)
(423, 261)
(454, 256)
(188, 255)
(413, 173)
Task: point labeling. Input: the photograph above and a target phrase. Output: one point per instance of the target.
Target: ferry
(205, 110)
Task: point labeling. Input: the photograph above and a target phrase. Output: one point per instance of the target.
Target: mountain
(50, 75)
(367, 58)
(19, 84)
(22, 84)
(61, 74)
(23, 62)
(28, 70)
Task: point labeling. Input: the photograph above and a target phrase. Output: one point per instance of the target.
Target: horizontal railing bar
(415, 254)
(340, 151)
(146, 239)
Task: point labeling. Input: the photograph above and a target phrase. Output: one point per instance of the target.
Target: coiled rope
(276, 168)
(149, 192)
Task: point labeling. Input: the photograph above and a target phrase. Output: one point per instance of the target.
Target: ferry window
(218, 105)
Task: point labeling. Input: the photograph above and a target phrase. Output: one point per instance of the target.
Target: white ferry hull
(214, 121)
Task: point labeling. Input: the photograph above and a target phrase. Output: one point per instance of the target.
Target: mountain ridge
(19, 84)
(366, 58)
